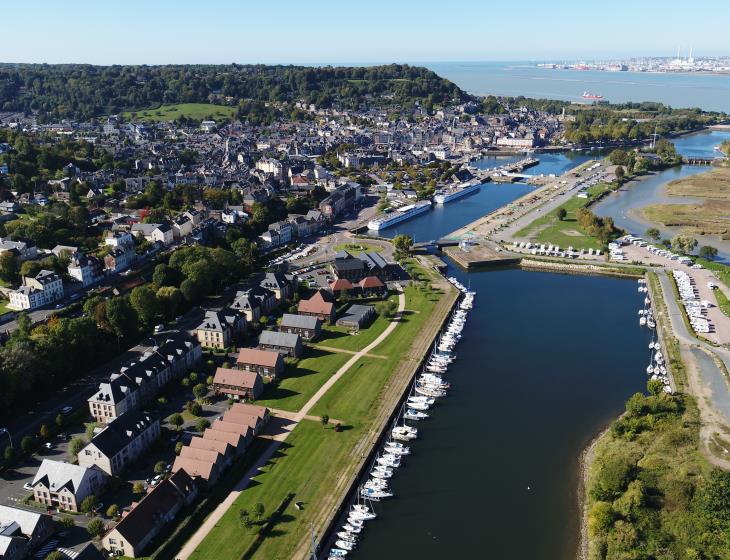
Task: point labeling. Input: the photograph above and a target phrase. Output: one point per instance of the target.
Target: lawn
(549, 229)
(708, 217)
(305, 465)
(313, 458)
(4, 307)
(357, 248)
(195, 111)
(354, 394)
(299, 383)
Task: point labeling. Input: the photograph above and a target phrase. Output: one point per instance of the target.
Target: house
(341, 287)
(255, 303)
(235, 440)
(371, 286)
(347, 267)
(219, 328)
(22, 531)
(199, 463)
(282, 342)
(140, 380)
(357, 316)
(147, 518)
(376, 265)
(225, 449)
(321, 305)
(119, 239)
(263, 362)
(237, 384)
(307, 326)
(341, 200)
(181, 226)
(41, 289)
(279, 284)
(238, 428)
(87, 269)
(119, 259)
(163, 233)
(64, 485)
(260, 412)
(23, 250)
(120, 442)
(234, 215)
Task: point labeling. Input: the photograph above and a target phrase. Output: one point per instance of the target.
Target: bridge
(699, 160)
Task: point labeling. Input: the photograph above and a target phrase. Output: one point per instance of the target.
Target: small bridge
(698, 160)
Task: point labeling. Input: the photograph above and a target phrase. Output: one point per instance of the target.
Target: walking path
(286, 429)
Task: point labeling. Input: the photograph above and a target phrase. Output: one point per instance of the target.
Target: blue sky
(311, 31)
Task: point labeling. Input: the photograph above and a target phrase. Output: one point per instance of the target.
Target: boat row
(657, 368)
(428, 387)
(646, 314)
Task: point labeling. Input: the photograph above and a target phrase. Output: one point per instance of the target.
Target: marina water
(546, 361)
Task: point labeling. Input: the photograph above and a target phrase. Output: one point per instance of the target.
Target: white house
(46, 287)
(64, 485)
(86, 269)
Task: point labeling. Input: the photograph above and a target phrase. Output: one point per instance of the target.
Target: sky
(347, 31)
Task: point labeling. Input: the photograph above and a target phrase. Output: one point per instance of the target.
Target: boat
(347, 536)
(375, 494)
(337, 553)
(345, 545)
(399, 215)
(593, 96)
(413, 414)
(443, 196)
(350, 528)
(361, 511)
(355, 522)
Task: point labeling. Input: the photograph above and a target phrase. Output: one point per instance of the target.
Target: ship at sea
(399, 215)
(443, 196)
(589, 95)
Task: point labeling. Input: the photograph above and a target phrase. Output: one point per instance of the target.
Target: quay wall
(574, 268)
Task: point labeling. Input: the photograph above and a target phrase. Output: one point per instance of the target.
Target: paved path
(282, 431)
(289, 415)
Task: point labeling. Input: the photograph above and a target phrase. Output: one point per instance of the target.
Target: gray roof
(121, 431)
(274, 338)
(299, 321)
(58, 475)
(27, 520)
(357, 312)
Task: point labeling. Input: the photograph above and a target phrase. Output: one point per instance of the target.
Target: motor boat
(345, 545)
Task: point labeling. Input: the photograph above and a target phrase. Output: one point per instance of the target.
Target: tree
(44, 432)
(561, 213)
(9, 454)
(618, 157)
(195, 408)
(190, 290)
(386, 308)
(59, 420)
(176, 420)
(170, 299)
(89, 504)
(200, 390)
(620, 173)
(120, 316)
(684, 244)
(66, 522)
(653, 234)
(159, 467)
(8, 266)
(325, 419)
(145, 304)
(202, 424)
(75, 446)
(708, 252)
(137, 488)
(403, 245)
(112, 511)
(26, 445)
(165, 275)
(95, 528)
(178, 447)
(243, 517)
(258, 510)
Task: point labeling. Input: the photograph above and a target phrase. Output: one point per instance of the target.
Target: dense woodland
(83, 91)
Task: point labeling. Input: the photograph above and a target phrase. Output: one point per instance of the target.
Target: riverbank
(563, 266)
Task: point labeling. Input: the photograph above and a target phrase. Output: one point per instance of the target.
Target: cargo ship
(589, 95)
(447, 195)
(399, 215)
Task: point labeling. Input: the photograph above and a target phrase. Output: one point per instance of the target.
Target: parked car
(156, 480)
(159, 328)
(48, 445)
(27, 486)
(67, 410)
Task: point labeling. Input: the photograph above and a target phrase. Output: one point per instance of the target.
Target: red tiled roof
(258, 357)
(370, 282)
(341, 284)
(235, 377)
(318, 306)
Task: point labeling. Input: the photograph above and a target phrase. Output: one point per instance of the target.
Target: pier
(474, 256)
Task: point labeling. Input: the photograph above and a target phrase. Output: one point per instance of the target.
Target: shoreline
(585, 461)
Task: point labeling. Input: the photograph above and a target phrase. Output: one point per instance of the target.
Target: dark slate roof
(299, 321)
(274, 338)
(121, 431)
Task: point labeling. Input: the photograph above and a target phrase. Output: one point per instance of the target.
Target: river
(709, 92)
(494, 473)
(624, 206)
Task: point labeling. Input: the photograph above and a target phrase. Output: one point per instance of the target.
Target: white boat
(399, 215)
(413, 414)
(375, 494)
(397, 448)
(344, 545)
(346, 536)
(350, 528)
(428, 392)
(418, 406)
(337, 553)
(642, 321)
(389, 461)
(361, 511)
(447, 195)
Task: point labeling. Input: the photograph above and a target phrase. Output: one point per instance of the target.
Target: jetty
(471, 255)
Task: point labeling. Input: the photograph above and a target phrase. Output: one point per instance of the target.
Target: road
(283, 428)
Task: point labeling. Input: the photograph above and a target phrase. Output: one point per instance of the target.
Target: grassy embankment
(314, 459)
(706, 217)
(194, 111)
(357, 248)
(549, 229)
(651, 493)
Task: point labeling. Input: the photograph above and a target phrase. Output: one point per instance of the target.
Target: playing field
(194, 111)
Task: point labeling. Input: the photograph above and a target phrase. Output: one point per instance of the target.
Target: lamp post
(7, 432)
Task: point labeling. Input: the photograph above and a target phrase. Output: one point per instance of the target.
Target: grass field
(713, 184)
(4, 307)
(298, 384)
(549, 229)
(708, 217)
(357, 248)
(313, 457)
(195, 111)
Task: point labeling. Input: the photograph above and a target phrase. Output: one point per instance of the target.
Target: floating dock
(480, 255)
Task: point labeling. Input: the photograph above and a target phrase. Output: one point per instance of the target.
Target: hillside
(84, 91)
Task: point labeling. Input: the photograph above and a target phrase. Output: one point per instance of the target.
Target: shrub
(95, 528)
(202, 424)
(88, 504)
(112, 511)
(159, 467)
(76, 445)
(137, 488)
(66, 522)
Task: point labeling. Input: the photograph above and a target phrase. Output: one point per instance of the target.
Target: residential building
(264, 362)
(164, 234)
(254, 303)
(119, 259)
(140, 380)
(64, 485)
(41, 289)
(321, 305)
(120, 443)
(119, 239)
(87, 269)
(262, 413)
(371, 286)
(341, 200)
(307, 326)
(23, 250)
(219, 328)
(203, 464)
(22, 531)
(282, 342)
(147, 518)
(235, 440)
(237, 384)
(279, 284)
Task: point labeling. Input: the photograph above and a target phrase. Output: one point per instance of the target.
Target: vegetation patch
(190, 111)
